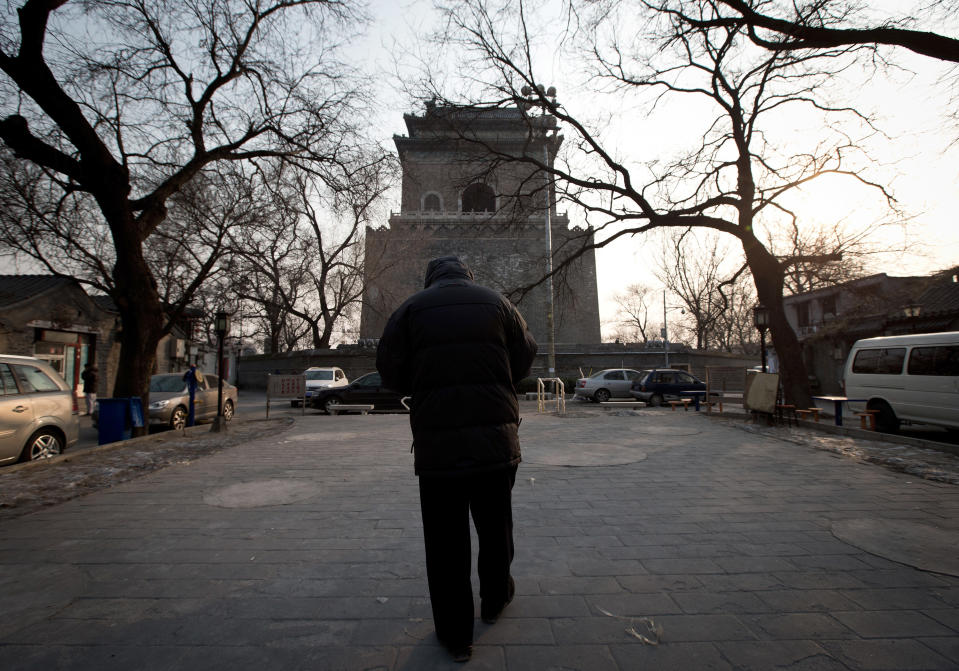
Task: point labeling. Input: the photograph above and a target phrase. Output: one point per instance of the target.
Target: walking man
(89, 377)
(459, 349)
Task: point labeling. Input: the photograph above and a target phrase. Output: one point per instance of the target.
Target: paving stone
(805, 600)
(892, 624)
(888, 655)
(764, 655)
(914, 598)
(720, 537)
(565, 658)
(699, 656)
(798, 626)
(720, 602)
(947, 647)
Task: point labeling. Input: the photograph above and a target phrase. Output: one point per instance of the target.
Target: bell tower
(472, 187)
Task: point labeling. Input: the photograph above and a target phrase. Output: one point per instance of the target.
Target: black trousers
(446, 505)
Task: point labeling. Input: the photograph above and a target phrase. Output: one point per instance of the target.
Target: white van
(913, 378)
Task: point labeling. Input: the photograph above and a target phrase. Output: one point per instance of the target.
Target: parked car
(318, 378)
(606, 384)
(365, 390)
(907, 378)
(665, 384)
(170, 399)
(39, 417)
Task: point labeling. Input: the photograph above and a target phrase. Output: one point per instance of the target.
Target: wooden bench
(867, 419)
(346, 407)
(804, 414)
(683, 402)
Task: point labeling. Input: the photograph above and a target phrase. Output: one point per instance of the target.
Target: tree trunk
(769, 276)
(141, 314)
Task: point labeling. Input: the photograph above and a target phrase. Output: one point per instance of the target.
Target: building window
(432, 203)
(802, 313)
(829, 305)
(479, 198)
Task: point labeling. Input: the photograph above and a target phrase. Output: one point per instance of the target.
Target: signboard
(761, 391)
(286, 386)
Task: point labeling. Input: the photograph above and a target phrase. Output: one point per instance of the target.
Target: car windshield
(319, 375)
(599, 374)
(167, 383)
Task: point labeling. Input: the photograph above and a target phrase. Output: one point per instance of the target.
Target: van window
(941, 360)
(885, 361)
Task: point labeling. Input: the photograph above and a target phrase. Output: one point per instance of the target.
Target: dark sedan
(365, 390)
(665, 384)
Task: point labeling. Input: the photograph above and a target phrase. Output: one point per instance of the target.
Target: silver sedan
(170, 399)
(607, 384)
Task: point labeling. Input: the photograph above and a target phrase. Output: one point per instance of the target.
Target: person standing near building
(459, 349)
(89, 377)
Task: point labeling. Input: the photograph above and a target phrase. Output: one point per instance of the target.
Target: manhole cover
(908, 542)
(261, 493)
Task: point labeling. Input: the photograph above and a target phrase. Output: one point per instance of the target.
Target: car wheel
(656, 400)
(886, 420)
(601, 396)
(330, 403)
(178, 418)
(228, 410)
(43, 444)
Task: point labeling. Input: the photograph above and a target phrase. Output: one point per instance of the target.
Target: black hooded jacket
(458, 349)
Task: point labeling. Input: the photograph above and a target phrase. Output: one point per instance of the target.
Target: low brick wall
(571, 362)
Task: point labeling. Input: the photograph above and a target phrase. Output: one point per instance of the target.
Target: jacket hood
(446, 268)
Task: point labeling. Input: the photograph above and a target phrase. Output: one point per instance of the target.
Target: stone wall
(570, 362)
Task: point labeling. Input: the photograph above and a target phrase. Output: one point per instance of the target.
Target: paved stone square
(645, 540)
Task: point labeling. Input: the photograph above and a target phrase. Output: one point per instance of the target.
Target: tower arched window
(431, 203)
(479, 197)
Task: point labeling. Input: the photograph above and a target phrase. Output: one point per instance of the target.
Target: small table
(837, 404)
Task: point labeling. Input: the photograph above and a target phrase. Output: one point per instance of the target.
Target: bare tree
(310, 251)
(825, 24)
(632, 312)
(121, 104)
(733, 181)
(692, 269)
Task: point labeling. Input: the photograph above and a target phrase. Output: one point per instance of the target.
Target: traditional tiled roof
(941, 297)
(17, 288)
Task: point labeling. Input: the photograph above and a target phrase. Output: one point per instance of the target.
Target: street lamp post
(761, 322)
(550, 93)
(221, 325)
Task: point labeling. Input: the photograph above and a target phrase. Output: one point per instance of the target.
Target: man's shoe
(462, 654)
(491, 616)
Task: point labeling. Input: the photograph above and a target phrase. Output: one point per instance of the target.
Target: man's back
(458, 349)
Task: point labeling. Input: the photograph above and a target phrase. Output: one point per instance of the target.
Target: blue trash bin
(113, 420)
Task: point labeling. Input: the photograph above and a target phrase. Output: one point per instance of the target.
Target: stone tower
(467, 191)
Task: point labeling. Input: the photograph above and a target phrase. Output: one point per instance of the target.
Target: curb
(158, 437)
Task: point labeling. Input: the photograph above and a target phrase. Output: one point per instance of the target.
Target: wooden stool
(786, 412)
(683, 401)
(803, 414)
(867, 419)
